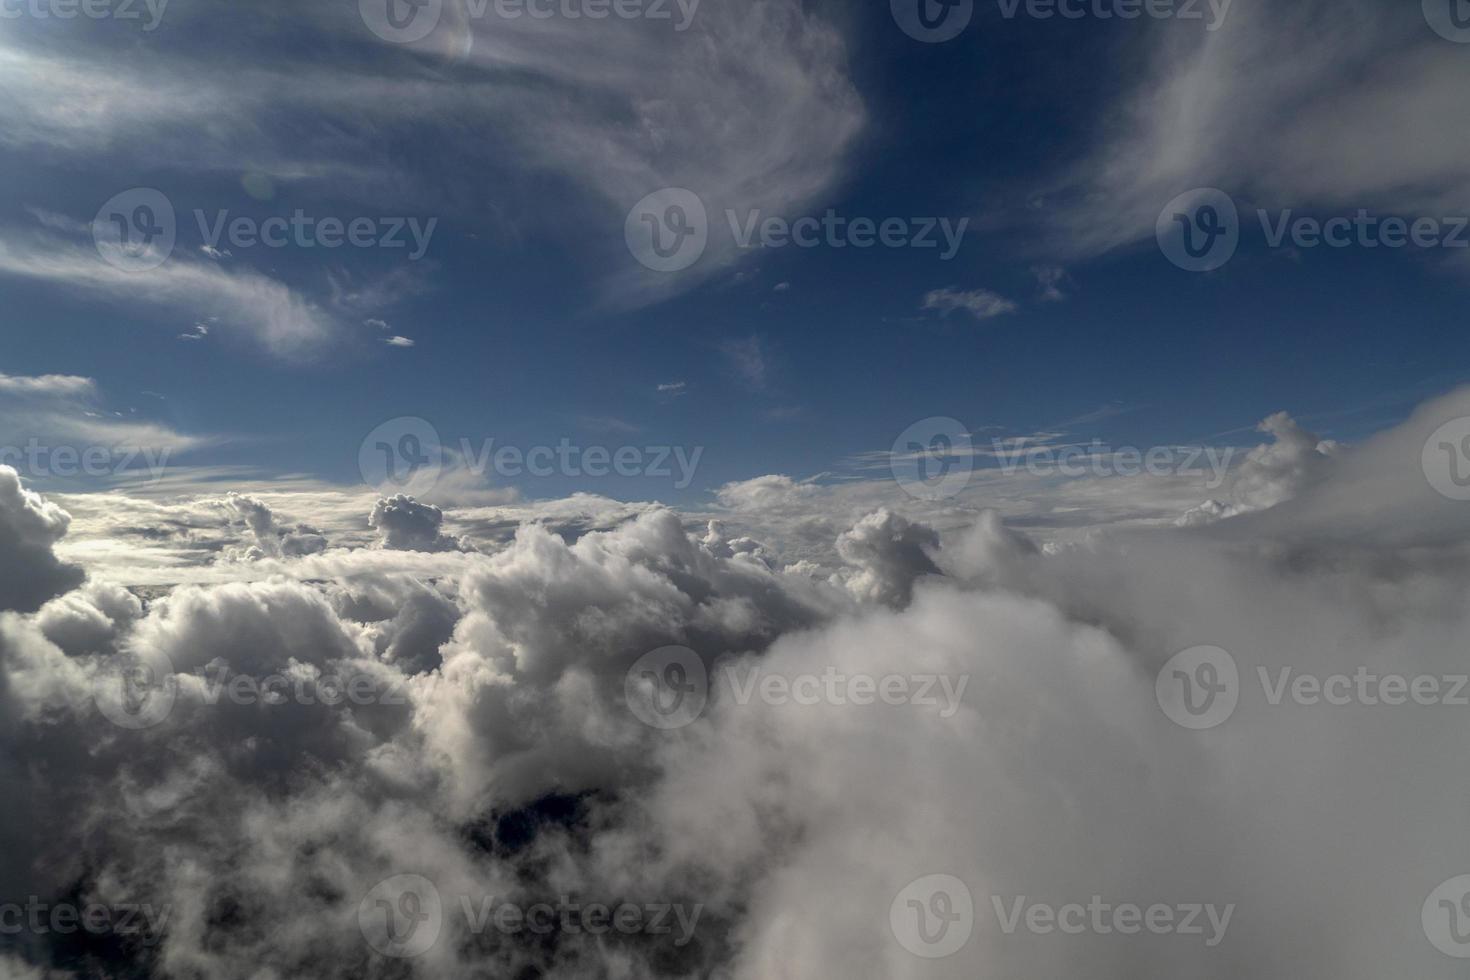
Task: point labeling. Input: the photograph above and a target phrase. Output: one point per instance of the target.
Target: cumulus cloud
(891, 553)
(497, 754)
(1271, 472)
(404, 524)
(269, 539)
(29, 528)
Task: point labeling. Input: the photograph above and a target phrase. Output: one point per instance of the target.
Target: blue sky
(1085, 378)
(532, 323)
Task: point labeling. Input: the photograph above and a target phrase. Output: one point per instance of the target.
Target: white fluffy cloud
(497, 756)
(404, 524)
(29, 527)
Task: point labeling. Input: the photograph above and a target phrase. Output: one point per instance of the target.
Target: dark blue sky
(1010, 125)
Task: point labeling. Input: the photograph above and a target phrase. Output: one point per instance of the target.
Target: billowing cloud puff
(89, 619)
(404, 524)
(891, 553)
(270, 540)
(30, 573)
(960, 703)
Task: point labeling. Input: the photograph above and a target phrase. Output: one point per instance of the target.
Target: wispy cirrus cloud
(1277, 106)
(982, 304)
(268, 311)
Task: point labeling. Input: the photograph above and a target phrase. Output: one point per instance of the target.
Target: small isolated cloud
(750, 360)
(781, 287)
(404, 524)
(606, 423)
(982, 304)
(1050, 279)
(60, 385)
(376, 324)
(215, 253)
(201, 330)
(782, 412)
(396, 341)
(675, 388)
